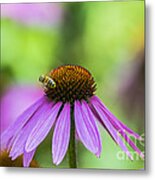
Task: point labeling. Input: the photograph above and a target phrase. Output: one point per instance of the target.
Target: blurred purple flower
(15, 100)
(42, 14)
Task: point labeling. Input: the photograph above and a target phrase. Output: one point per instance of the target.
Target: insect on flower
(71, 102)
(47, 81)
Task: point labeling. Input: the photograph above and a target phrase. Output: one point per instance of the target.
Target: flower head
(74, 93)
(6, 161)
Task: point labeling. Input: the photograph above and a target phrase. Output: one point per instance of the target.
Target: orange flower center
(72, 83)
(6, 161)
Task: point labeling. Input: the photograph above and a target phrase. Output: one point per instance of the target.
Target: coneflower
(71, 107)
(5, 161)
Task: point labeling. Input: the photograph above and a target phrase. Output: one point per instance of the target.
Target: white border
(41, 174)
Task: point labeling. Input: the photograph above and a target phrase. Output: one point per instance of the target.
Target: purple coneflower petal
(124, 135)
(100, 120)
(121, 128)
(137, 136)
(77, 136)
(92, 120)
(106, 110)
(27, 158)
(42, 127)
(13, 129)
(20, 140)
(131, 143)
(86, 128)
(15, 101)
(61, 135)
(18, 145)
(110, 127)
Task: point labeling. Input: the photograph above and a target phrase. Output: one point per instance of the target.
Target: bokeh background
(107, 38)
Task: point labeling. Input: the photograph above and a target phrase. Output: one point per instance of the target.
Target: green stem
(72, 146)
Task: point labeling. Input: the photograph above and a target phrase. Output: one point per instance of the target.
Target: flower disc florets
(72, 83)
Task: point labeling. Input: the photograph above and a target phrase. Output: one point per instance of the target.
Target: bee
(47, 82)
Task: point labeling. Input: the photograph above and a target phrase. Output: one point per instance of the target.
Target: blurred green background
(107, 38)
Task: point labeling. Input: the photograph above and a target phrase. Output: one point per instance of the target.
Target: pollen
(72, 83)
